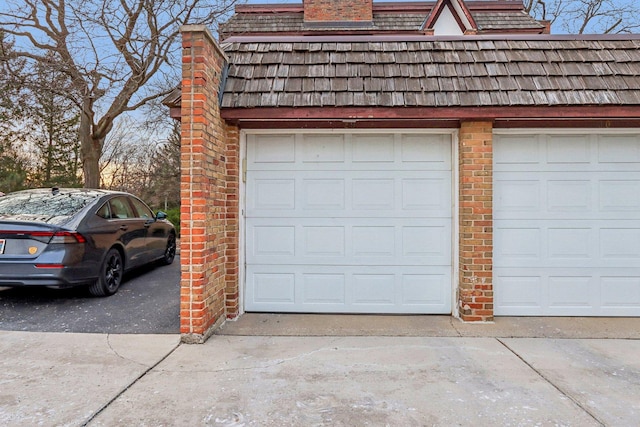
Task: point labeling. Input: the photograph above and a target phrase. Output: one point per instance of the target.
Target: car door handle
(124, 228)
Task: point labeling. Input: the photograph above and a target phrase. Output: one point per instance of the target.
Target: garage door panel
(566, 228)
(326, 152)
(429, 152)
(620, 244)
(274, 194)
(516, 196)
(273, 149)
(571, 245)
(349, 222)
(349, 193)
(272, 287)
(568, 152)
(338, 289)
(322, 149)
(620, 295)
(568, 195)
(570, 292)
(519, 293)
(587, 244)
(602, 197)
(324, 194)
(516, 245)
(348, 241)
(620, 196)
(618, 149)
(520, 151)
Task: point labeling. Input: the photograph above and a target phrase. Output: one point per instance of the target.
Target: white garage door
(348, 222)
(567, 224)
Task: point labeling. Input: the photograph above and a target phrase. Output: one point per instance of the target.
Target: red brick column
(208, 157)
(476, 221)
(232, 237)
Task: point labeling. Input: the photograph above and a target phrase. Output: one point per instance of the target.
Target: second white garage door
(567, 224)
(348, 222)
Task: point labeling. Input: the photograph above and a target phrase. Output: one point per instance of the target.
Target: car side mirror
(161, 215)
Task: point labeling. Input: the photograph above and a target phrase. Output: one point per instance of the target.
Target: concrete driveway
(285, 379)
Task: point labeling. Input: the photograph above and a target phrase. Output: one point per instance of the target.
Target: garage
(567, 223)
(348, 222)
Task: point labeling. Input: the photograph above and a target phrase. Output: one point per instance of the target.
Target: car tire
(170, 251)
(110, 277)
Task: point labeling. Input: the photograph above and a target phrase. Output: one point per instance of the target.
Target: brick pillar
(476, 221)
(207, 159)
(232, 238)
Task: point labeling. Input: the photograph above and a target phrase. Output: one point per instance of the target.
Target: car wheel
(170, 251)
(110, 275)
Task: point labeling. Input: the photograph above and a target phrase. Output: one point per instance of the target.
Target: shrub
(173, 215)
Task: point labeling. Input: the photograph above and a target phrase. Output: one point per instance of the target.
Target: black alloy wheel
(170, 251)
(110, 275)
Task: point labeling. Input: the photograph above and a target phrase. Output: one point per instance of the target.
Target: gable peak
(450, 17)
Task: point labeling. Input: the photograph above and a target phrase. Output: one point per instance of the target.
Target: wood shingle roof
(470, 71)
(387, 18)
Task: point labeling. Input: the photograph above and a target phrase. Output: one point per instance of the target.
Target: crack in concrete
(265, 365)
(451, 319)
(552, 384)
(118, 354)
(131, 384)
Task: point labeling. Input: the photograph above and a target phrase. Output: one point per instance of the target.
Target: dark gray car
(70, 236)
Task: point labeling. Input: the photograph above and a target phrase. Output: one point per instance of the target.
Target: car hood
(56, 220)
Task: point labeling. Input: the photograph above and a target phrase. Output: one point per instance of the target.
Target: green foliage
(53, 121)
(13, 173)
(13, 163)
(173, 215)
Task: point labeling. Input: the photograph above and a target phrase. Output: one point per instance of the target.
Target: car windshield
(44, 204)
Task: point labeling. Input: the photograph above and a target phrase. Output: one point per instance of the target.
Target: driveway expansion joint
(552, 384)
(131, 384)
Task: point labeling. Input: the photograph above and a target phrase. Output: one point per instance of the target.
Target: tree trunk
(90, 165)
(90, 147)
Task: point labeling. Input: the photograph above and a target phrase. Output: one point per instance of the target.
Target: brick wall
(476, 221)
(338, 10)
(209, 185)
(232, 218)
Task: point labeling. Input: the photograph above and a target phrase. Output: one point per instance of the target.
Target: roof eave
(382, 114)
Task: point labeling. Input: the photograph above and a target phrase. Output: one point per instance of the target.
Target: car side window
(120, 208)
(104, 211)
(143, 210)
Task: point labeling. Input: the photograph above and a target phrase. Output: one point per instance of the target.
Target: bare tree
(126, 161)
(118, 54)
(588, 16)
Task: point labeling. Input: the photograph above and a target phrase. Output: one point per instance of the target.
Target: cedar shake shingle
(469, 71)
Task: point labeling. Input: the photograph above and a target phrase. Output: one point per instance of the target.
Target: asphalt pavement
(148, 302)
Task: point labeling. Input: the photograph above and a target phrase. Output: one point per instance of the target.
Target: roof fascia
(427, 38)
(446, 124)
(351, 114)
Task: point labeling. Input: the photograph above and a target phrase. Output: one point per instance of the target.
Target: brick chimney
(338, 10)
